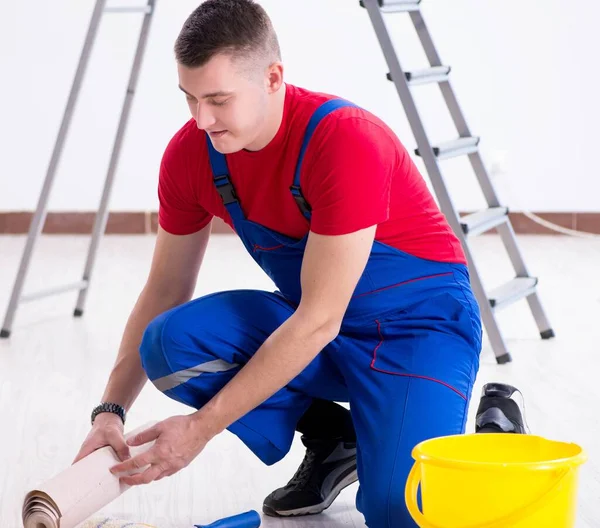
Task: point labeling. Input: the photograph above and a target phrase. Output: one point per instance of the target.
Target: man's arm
(171, 281)
(331, 269)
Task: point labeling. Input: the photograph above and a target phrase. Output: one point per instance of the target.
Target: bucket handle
(412, 487)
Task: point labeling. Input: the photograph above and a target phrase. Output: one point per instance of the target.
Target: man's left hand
(179, 440)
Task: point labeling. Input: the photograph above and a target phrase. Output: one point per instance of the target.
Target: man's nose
(204, 117)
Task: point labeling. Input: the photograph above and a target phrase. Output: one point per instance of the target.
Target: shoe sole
(351, 478)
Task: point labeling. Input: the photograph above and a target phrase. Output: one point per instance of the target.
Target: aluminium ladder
(496, 215)
(39, 217)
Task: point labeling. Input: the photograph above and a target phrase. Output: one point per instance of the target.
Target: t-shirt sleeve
(179, 212)
(349, 176)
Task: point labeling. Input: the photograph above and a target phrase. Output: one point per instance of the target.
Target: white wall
(524, 73)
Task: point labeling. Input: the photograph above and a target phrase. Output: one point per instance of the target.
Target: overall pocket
(434, 340)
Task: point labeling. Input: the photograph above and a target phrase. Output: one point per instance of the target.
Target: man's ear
(274, 77)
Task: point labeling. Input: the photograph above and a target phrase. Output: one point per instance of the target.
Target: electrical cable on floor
(538, 220)
(559, 229)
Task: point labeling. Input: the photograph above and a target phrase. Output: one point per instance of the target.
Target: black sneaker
(328, 467)
(501, 410)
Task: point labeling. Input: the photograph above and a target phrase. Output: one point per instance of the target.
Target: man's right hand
(106, 431)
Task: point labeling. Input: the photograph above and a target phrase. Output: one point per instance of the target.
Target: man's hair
(240, 28)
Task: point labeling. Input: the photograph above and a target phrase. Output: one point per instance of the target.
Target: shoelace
(304, 471)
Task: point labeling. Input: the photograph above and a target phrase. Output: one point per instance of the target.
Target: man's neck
(273, 121)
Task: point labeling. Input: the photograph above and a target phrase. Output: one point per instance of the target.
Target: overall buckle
(300, 200)
(225, 189)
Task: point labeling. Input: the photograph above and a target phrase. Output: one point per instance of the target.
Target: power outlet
(498, 164)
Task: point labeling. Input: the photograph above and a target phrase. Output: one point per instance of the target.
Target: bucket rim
(454, 463)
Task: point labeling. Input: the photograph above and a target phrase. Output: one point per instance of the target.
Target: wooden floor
(53, 370)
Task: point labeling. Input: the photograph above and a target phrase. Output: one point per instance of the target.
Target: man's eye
(219, 103)
(190, 98)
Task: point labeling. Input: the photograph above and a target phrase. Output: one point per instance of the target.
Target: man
(373, 306)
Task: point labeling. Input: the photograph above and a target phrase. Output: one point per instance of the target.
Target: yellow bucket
(494, 481)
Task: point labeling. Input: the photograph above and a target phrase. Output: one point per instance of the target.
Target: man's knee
(153, 353)
(383, 505)
(188, 337)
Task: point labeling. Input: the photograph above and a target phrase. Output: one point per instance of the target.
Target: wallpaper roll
(79, 491)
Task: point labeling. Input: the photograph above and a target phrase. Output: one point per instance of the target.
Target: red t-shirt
(355, 174)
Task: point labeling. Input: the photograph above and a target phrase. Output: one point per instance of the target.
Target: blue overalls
(405, 359)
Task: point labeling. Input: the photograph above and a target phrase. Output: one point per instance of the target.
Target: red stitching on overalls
(407, 375)
(402, 283)
(257, 247)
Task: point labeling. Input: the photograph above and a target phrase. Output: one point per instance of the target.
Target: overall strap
(223, 184)
(321, 112)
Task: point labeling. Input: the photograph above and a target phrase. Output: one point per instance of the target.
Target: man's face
(226, 102)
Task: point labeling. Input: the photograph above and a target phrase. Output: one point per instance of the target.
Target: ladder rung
(129, 9)
(456, 147)
(80, 285)
(512, 291)
(396, 6)
(483, 221)
(436, 74)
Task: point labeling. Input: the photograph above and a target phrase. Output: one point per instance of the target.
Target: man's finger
(83, 452)
(143, 478)
(145, 436)
(161, 476)
(77, 458)
(117, 442)
(134, 463)
(165, 473)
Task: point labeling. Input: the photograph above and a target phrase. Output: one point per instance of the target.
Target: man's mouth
(218, 134)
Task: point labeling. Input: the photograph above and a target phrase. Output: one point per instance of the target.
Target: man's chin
(226, 145)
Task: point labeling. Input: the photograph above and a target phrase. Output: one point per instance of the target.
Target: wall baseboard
(139, 223)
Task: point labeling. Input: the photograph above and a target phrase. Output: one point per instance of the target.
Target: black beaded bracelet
(114, 408)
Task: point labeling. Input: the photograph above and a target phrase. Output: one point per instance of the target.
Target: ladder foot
(503, 359)
(547, 334)
(4, 333)
(78, 312)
